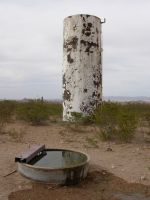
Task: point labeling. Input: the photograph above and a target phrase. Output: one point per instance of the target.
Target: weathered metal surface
(26, 156)
(65, 175)
(82, 65)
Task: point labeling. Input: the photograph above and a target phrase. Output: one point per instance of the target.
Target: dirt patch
(99, 185)
(130, 161)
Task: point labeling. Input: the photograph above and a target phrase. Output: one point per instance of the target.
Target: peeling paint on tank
(82, 81)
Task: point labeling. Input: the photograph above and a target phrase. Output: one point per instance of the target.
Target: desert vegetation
(114, 135)
(115, 121)
(37, 112)
(7, 111)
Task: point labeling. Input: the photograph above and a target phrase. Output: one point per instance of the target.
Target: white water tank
(82, 65)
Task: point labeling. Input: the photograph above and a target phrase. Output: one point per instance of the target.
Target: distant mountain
(125, 99)
(105, 98)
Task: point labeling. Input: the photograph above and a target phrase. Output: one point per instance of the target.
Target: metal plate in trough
(58, 166)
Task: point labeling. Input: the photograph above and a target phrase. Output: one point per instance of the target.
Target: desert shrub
(92, 142)
(35, 111)
(54, 108)
(117, 121)
(106, 116)
(127, 123)
(7, 109)
(16, 135)
(77, 116)
(142, 111)
(80, 118)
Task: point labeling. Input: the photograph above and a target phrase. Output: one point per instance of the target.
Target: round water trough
(58, 166)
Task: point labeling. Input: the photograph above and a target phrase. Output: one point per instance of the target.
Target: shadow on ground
(99, 185)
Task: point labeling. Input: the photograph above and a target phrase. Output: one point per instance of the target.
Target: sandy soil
(120, 168)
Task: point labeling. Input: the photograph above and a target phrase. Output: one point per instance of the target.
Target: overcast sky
(31, 37)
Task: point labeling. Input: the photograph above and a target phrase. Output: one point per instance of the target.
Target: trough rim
(61, 168)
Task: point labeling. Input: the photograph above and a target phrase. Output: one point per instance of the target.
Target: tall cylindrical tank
(82, 65)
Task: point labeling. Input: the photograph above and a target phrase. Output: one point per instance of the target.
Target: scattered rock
(103, 172)
(138, 149)
(143, 178)
(112, 166)
(19, 187)
(109, 149)
(122, 170)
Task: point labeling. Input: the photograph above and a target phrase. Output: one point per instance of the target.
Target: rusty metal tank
(56, 166)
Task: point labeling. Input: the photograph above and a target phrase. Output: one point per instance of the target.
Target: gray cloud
(31, 40)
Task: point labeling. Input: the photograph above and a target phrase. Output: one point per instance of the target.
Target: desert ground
(120, 174)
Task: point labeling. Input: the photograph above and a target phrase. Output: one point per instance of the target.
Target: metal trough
(58, 166)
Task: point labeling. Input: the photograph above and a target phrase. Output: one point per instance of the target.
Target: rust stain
(87, 29)
(74, 176)
(97, 30)
(84, 108)
(100, 60)
(98, 95)
(71, 44)
(94, 94)
(74, 27)
(74, 42)
(89, 45)
(85, 90)
(83, 19)
(67, 95)
(97, 40)
(94, 75)
(69, 59)
(96, 83)
(64, 79)
(92, 103)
